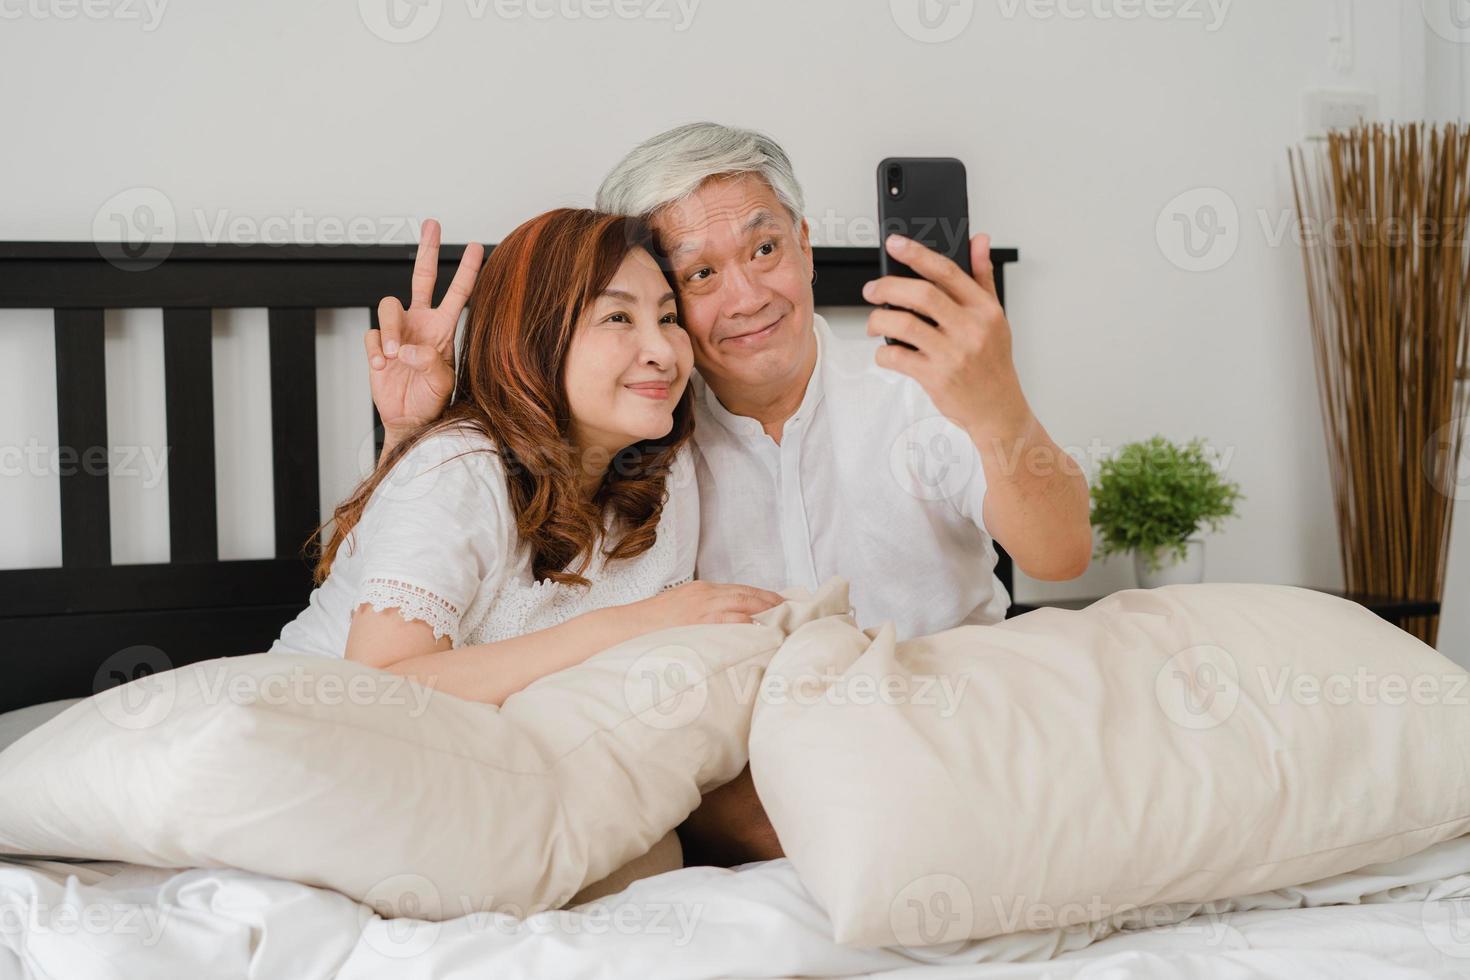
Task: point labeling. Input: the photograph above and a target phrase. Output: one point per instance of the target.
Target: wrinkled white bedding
(1410, 918)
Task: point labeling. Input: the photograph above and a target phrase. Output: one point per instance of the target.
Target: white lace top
(437, 541)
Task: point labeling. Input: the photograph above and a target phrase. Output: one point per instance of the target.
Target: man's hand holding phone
(963, 360)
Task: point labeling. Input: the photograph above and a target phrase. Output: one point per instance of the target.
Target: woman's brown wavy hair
(510, 385)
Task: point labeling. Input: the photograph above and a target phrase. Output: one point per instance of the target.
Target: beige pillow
(417, 802)
(1182, 744)
(667, 854)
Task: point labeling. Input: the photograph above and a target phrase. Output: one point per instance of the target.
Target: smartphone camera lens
(895, 181)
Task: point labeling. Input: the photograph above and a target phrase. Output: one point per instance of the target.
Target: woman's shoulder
(459, 447)
(455, 467)
(453, 440)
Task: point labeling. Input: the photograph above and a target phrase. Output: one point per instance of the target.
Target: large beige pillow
(417, 802)
(1182, 744)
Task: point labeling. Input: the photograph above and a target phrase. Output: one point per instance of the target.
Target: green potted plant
(1152, 499)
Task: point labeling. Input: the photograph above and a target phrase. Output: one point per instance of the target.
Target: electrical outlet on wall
(1337, 109)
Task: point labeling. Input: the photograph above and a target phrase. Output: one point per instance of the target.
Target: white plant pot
(1172, 571)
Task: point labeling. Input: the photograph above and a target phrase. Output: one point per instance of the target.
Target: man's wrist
(1004, 434)
(1022, 453)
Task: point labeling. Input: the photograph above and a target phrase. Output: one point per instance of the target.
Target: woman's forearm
(492, 672)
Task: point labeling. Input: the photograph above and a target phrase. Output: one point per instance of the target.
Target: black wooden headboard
(90, 624)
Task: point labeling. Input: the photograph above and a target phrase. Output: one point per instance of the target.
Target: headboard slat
(151, 587)
(81, 436)
(188, 382)
(297, 479)
(80, 654)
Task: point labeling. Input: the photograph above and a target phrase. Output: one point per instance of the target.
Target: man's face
(743, 269)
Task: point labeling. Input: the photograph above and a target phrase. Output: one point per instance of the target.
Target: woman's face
(629, 360)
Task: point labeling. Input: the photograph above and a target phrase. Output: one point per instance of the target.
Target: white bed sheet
(107, 920)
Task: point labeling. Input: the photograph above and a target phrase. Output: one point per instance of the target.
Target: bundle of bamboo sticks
(1384, 213)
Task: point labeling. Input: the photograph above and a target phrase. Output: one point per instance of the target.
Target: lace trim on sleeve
(413, 603)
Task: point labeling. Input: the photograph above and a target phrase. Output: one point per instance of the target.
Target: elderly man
(816, 455)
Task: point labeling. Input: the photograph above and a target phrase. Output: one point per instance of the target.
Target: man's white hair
(670, 166)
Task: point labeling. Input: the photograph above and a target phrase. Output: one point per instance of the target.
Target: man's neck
(770, 407)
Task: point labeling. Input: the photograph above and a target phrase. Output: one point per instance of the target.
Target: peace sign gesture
(411, 354)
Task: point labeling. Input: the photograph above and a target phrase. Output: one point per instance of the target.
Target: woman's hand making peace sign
(411, 354)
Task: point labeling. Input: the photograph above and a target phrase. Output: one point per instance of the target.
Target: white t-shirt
(869, 482)
(437, 541)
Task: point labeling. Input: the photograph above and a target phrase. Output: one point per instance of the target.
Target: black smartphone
(923, 198)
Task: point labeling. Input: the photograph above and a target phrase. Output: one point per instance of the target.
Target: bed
(1408, 919)
(93, 918)
(99, 623)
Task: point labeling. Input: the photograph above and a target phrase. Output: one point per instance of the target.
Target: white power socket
(1337, 109)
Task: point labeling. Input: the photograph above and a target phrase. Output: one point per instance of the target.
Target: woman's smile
(657, 390)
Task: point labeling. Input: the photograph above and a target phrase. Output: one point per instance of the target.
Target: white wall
(1447, 96)
(1079, 132)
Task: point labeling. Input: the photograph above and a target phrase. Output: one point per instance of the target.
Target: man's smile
(757, 336)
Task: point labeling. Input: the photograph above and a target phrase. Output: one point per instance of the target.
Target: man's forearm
(1036, 501)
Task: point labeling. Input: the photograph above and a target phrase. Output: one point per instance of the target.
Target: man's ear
(804, 233)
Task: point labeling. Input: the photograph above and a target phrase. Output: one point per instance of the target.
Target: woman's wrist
(391, 438)
(614, 624)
